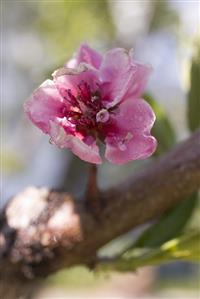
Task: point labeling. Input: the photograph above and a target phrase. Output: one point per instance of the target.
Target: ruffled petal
(44, 105)
(137, 148)
(122, 77)
(69, 78)
(128, 132)
(134, 114)
(116, 72)
(88, 153)
(89, 56)
(140, 76)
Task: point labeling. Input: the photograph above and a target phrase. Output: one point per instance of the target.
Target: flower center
(85, 109)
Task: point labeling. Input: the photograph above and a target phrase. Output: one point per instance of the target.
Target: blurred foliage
(193, 222)
(194, 92)
(64, 25)
(11, 162)
(170, 225)
(75, 277)
(162, 130)
(188, 283)
(163, 16)
(184, 248)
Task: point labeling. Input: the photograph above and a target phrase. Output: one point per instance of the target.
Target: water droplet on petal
(102, 116)
(122, 146)
(129, 136)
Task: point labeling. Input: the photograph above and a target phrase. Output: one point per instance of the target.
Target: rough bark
(42, 231)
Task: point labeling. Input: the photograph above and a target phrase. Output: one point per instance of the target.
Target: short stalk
(93, 201)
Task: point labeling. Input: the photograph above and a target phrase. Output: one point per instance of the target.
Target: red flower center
(86, 109)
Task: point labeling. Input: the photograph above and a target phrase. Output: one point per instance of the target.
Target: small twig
(93, 200)
(92, 187)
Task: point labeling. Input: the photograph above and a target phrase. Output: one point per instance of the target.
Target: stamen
(85, 92)
(85, 109)
(94, 98)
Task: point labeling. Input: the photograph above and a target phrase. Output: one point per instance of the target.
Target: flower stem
(93, 201)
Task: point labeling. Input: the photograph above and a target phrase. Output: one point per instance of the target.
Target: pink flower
(92, 99)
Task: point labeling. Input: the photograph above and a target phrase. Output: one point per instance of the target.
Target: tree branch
(42, 231)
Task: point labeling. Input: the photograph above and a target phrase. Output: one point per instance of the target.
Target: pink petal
(115, 63)
(72, 63)
(71, 78)
(138, 81)
(89, 56)
(138, 148)
(134, 114)
(88, 153)
(115, 72)
(122, 77)
(128, 133)
(44, 105)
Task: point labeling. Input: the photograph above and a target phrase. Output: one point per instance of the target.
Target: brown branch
(42, 231)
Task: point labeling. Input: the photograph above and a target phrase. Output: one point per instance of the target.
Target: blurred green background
(40, 36)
